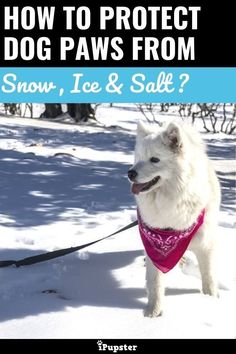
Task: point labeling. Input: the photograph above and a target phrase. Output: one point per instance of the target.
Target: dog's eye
(154, 159)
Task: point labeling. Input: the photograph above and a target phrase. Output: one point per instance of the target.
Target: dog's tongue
(137, 187)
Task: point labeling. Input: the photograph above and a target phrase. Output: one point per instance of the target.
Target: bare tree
(81, 111)
(149, 111)
(215, 117)
(52, 110)
(19, 109)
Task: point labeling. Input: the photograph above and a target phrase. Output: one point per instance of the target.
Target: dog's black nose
(132, 174)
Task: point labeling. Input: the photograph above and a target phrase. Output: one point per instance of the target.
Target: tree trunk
(81, 111)
(52, 110)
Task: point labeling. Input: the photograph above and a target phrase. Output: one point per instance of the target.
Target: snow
(63, 185)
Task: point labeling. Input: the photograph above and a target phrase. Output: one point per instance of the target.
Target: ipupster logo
(115, 348)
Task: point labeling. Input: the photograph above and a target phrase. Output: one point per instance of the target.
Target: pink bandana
(166, 247)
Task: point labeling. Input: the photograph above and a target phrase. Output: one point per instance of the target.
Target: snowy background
(63, 185)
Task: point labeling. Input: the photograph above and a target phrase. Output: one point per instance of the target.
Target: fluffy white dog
(178, 197)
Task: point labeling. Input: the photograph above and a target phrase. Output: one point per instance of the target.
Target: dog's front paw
(152, 311)
(210, 289)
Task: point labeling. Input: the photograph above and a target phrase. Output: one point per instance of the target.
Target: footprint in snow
(54, 291)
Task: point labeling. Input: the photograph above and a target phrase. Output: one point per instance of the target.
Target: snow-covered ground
(63, 185)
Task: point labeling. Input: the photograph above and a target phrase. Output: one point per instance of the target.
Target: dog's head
(160, 157)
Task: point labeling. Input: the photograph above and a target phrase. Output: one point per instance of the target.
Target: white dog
(178, 197)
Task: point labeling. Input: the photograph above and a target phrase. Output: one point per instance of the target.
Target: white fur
(187, 184)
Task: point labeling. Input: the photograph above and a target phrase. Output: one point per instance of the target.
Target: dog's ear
(172, 136)
(142, 130)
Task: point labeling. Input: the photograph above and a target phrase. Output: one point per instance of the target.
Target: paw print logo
(99, 343)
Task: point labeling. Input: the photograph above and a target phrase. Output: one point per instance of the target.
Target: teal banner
(82, 85)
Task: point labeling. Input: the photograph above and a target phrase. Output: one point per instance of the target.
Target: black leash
(59, 253)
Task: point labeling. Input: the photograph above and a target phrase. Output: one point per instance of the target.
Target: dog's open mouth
(143, 187)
